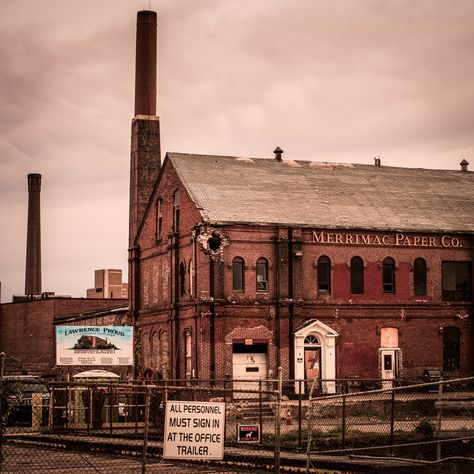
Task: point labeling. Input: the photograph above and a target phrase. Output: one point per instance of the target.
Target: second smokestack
(33, 238)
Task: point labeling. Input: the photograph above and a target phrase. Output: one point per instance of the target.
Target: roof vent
(464, 164)
(377, 161)
(278, 152)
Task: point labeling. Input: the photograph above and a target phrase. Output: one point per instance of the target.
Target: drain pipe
(291, 359)
(278, 422)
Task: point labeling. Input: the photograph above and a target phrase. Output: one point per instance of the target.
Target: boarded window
(389, 337)
(419, 276)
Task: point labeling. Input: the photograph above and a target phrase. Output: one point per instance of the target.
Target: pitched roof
(229, 189)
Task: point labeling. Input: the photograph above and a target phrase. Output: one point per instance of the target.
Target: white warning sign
(194, 430)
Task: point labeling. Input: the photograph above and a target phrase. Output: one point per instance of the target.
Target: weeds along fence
(430, 422)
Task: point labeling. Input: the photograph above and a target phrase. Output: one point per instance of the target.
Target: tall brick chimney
(33, 239)
(145, 159)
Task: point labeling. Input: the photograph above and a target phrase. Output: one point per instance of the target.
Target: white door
(248, 368)
(389, 367)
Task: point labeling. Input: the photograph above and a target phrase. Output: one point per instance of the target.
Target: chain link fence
(88, 423)
(428, 422)
(93, 425)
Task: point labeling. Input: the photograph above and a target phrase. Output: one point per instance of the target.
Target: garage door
(248, 368)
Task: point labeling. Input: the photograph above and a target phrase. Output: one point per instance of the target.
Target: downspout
(135, 306)
(277, 297)
(175, 306)
(291, 358)
(212, 350)
(196, 352)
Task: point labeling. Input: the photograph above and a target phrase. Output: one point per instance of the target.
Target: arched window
(419, 276)
(357, 276)
(238, 282)
(388, 275)
(191, 278)
(176, 200)
(311, 339)
(262, 274)
(324, 275)
(188, 353)
(182, 278)
(159, 218)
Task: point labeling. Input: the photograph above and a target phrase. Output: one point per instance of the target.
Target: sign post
(194, 430)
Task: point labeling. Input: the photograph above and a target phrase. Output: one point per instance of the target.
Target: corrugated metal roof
(230, 189)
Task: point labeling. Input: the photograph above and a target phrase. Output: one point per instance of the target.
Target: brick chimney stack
(145, 159)
(145, 64)
(33, 239)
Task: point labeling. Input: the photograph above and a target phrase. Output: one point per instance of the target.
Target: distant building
(108, 284)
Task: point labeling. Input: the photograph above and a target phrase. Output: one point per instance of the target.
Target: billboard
(94, 345)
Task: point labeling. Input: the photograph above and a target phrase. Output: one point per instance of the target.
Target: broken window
(451, 352)
(419, 276)
(238, 274)
(388, 275)
(457, 281)
(324, 275)
(262, 274)
(357, 276)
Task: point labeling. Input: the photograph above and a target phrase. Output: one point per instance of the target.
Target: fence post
(300, 414)
(2, 368)
(89, 413)
(438, 444)
(260, 408)
(343, 421)
(278, 423)
(67, 406)
(110, 409)
(392, 421)
(145, 428)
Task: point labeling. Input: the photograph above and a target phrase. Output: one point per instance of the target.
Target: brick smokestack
(33, 239)
(145, 64)
(145, 157)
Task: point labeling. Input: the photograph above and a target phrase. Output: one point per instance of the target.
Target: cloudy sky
(329, 80)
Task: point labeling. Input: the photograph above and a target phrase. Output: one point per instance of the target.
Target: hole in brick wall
(214, 242)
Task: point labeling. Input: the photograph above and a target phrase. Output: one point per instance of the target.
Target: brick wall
(27, 332)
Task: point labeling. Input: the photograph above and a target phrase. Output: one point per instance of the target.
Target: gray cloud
(336, 81)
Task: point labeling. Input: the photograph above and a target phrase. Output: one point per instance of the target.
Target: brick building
(328, 270)
(241, 265)
(27, 329)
